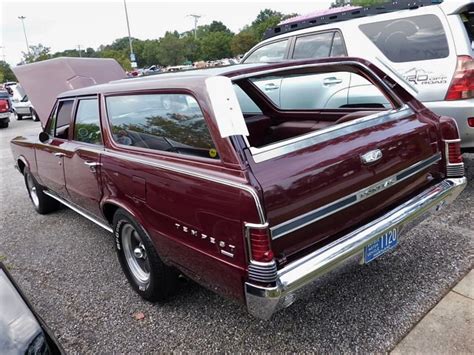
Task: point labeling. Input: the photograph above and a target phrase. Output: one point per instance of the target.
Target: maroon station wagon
(206, 174)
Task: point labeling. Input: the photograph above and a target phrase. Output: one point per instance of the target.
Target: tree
(37, 53)
(6, 73)
(366, 3)
(242, 42)
(119, 56)
(216, 45)
(171, 49)
(265, 19)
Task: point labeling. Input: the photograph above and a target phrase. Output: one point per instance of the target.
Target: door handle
(92, 165)
(332, 80)
(270, 87)
(59, 155)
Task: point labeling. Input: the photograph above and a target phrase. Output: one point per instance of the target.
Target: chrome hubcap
(135, 255)
(32, 190)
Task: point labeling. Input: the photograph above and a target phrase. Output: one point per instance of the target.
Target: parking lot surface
(67, 267)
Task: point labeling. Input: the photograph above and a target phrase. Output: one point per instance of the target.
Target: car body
(428, 45)
(6, 108)
(21, 104)
(22, 331)
(251, 205)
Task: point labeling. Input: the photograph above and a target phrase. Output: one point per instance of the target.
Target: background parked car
(6, 109)
(21, 329)
(21, 104)
(429, 46)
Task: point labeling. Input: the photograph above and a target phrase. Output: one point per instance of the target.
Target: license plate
(386, 242)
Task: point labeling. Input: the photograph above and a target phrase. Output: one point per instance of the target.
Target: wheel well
(21, 165)
(109, 210)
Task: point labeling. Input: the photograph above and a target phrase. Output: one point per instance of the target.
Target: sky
(66, 24)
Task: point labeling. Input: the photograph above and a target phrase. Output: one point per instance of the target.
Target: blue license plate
(386, 242)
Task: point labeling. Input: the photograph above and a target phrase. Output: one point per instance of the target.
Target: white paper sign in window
(227, 112)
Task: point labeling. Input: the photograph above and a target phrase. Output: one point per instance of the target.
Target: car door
(82, 157)
(50, 154)
(318, 90)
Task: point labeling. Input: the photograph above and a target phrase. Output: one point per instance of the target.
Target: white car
(21, 104)
(427, 45)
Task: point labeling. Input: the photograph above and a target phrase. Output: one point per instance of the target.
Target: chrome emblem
(371, 157)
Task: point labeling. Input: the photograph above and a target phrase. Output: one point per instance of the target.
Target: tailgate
(324, 188)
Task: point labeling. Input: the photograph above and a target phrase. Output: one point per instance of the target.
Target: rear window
(409, 39)
(165, 122)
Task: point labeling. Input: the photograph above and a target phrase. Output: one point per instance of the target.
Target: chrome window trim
(322, 212)
(290, 145)
(316, 65)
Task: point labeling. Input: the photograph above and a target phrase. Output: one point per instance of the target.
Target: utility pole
(196, 19)
(79, 47)
(22, 18)
(132, 55)
(3, 53)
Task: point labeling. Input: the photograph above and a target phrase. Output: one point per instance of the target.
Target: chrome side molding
(79, 210)
(322, 212)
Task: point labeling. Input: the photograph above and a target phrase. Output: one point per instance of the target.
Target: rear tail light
(262, 266)
(454, 162)
(260, 249)
(462, 85)
(470, 122)
(4, 106)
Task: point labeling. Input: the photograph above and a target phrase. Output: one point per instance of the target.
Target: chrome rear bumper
(263, 301)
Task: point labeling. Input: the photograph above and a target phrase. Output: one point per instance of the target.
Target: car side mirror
(43, 137)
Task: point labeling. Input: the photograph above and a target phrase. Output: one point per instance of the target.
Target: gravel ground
(68, 268)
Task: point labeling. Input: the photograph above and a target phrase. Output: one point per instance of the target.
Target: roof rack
(344, 14)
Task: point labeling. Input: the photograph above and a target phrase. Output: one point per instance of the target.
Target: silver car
(429, 47)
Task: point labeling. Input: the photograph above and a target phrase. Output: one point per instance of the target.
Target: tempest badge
(372, 190)
(371, 157)
(224, 248)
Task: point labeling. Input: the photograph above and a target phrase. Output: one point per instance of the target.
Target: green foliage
(242, 42)
(171, 49)
(6, 73)
(216, 45)
(366, 3)
(214, 41)
(37, 53)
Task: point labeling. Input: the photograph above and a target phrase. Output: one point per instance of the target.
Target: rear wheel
(19, 117)
(34, 115)
(4, 124)
(148, 275)
(43, 203)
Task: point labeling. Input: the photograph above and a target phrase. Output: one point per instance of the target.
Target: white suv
(428, 45)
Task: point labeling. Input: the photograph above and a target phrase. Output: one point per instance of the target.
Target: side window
(87, 124)
(166, 122)
(409, 39)
(314, 46)
(270, 53)
(51, 126)
(331, 90)
(338, 49)
(63, 119)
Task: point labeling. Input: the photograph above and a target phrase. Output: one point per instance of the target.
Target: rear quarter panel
(23, 151)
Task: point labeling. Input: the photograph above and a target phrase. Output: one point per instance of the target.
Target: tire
(34, 115)
(146, 272)
(42, 203)
(19, 117)
(3, 124)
